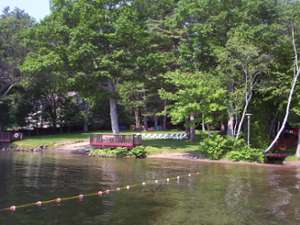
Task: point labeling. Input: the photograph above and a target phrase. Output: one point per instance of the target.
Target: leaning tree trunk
(287, 111)
(114, 115)
(293, 86)
(298, 145)
(248, 99)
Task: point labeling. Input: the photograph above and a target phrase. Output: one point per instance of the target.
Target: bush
(120, 152)
(246, 154)
(117, 152)
(214, 146)
(138, 152)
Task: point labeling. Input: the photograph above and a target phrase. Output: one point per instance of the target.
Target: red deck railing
(5, 137)
(115, 140)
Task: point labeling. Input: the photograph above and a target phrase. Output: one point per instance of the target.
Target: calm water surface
(220, 195)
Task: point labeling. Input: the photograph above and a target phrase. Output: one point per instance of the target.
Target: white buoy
(168, 180)
(144, 183)
(156, 181)
(58, 200)
(189, 174)
(127, 187)
(13, 208)
(81, 196)
(39, 203)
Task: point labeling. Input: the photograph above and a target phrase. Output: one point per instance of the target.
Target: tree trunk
(137, 118)
(203, 123)
(145, 123)
(164, 124)
(230, 125)
(156, 123)
(192, 128)
(293, 85)
(114, 115)
(222, 128)
(85, 124)
(243, 115)
(298, 145)
(230, 122)
(113, 110)
(186, 126)
(286, 113)
(272, 126)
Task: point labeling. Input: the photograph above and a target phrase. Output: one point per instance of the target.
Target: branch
(8, 89)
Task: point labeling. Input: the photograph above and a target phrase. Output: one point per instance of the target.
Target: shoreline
(195, 158)
(82, 147)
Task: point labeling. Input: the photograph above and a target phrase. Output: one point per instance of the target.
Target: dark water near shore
(220, 195)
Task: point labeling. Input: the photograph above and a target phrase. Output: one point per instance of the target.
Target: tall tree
(197, 96)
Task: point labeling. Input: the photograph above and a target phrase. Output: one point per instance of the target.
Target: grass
(51, 140)
(292, 158)
(164, 146)
(152, 146)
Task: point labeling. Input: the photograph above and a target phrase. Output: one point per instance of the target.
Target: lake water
(219, 195)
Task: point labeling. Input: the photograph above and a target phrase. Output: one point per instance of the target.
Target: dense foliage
(151, 64)
(246, 154)
(216, 147)
(137, 152)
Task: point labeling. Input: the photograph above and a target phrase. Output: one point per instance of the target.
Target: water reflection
(221, 194)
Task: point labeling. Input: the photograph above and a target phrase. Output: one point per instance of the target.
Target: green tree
(197, 96)
(12, 54)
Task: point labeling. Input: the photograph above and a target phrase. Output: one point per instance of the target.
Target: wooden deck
(115, 140)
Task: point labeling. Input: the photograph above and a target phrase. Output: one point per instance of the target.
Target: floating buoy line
(101, 193)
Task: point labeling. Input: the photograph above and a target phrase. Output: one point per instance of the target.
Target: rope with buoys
(80, 197)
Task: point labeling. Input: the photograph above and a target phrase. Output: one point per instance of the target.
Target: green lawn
(163, 146)
(51, 140)
(152, 146)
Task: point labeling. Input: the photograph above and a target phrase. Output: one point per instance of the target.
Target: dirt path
(75, 148)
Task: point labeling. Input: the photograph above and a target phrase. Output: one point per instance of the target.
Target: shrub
(246, 154)
(214, 146)
(138, 152)
(120, 152)
(117, 152)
